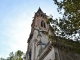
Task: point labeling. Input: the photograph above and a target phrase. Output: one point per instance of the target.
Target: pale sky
(15, 22)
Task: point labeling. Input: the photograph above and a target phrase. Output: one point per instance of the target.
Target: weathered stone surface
(68, 56)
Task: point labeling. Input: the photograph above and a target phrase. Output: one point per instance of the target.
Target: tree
(69, 25)
(11, 56)
(19, 54)
(2, 59)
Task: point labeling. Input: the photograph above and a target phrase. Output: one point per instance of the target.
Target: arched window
(43, 24)
(41, 15)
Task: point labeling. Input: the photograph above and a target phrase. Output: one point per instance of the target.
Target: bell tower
(39, 20)
(37, 38)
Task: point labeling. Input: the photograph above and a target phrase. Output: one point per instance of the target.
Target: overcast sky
(15, 22)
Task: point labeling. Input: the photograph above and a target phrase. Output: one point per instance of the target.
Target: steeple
(37, 39)
(39, 20)
(39, 10)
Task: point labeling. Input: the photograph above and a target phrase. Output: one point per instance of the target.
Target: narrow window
(43, 24)
(30, 54)
(41, 15)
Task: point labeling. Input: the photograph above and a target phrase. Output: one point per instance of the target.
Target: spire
(39, 10)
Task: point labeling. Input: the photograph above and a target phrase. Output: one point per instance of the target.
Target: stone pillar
(32, 54)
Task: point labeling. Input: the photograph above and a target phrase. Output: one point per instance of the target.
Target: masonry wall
(57, 54)
(68, 56)
(50, 56)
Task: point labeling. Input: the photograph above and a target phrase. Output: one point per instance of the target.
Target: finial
(39, 9)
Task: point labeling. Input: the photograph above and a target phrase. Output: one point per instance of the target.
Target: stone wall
(68, 55)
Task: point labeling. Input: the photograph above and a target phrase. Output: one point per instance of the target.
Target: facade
(39, 45)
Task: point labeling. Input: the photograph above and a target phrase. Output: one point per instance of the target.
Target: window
(41, 15)
(43, 24)
(30, 54)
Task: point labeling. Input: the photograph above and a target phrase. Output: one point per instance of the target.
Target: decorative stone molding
(45, 51)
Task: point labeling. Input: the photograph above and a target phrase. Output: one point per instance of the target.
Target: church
(39, 45)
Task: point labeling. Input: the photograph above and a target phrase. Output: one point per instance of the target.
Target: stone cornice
(62, 46)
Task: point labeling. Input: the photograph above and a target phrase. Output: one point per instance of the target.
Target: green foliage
(75, 45)
(70, 22)
(11, 56)
(71, 14)
(67, 26)
(19, 53)
(14, 56)
(2, 59)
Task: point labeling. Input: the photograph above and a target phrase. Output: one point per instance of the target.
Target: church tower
(38, 37)
(39, 20)
(39, 45)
